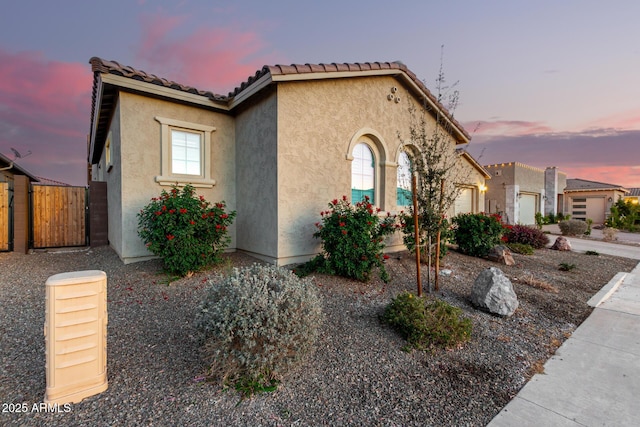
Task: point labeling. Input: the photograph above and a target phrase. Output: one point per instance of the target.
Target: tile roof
(301, 69)
(634, 192)
(112, 67)
(583, 184)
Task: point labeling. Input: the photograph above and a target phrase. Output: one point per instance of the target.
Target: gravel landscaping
(357, 374)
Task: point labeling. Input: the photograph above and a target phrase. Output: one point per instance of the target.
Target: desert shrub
(520, 248)
(609, 234)
(526, 235)
(565, 266)
(353, 239)
(476, 234)
(257, 323)
(186, 231)
(551, 218)
(572, 227)
(427, 322)
(592, 253)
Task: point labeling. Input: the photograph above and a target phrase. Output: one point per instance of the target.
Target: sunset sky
(544, 83)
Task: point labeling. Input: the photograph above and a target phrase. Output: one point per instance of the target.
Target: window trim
(204, 180)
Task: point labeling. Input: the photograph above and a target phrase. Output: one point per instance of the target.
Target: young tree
(435, 161)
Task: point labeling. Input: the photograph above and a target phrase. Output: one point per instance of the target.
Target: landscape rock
(493, 291)
(561, 244)
(502, 255)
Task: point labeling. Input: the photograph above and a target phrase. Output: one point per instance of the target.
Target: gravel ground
(356, 376)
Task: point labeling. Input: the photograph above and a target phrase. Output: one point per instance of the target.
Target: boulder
(501, 254)
(561, 244)
(493, 292)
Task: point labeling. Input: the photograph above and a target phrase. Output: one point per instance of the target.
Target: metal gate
(58, 216)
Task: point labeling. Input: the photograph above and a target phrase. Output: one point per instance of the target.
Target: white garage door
(464, 202)
(527, 214)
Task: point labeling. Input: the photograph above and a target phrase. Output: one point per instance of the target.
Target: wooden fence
(4, 216)
(59, 216)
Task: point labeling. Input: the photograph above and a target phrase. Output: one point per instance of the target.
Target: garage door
(589, 208)
(527, 214)
(464, 202)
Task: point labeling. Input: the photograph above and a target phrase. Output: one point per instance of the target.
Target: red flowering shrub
(526, 235)
(353, 239)
(187, 232)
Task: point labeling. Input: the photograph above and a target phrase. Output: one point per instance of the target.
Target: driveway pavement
(594, 377)
(627, 245)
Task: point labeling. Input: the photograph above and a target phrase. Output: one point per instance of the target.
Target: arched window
(403, 188)
(362, 173)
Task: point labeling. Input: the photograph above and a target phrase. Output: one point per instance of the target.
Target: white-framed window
(363, 174)
(404, 196)
(186, 153)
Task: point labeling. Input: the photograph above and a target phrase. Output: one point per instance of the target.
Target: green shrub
(408, 236)
(565, 266)
(353, 239)
(520, 248)
(427, 322)
(256, 324)
(186, 231)
(596, 253)
(526, 235)
(477, 234)
(572, 227)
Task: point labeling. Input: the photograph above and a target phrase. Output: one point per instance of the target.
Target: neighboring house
(471, 198)
(591, 200)
(518, 191)
(14, 209)
(633, 196)
(9, 169)
(277, 149)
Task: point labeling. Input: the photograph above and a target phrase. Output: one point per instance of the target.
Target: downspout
(7, 168)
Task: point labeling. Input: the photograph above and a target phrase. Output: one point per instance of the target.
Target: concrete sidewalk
(594, 377)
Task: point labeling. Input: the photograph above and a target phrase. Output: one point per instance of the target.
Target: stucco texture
(139, 162)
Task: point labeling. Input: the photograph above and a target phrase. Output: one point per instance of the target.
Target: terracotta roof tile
(113, 67)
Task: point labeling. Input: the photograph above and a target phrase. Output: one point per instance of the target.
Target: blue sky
(545, 83)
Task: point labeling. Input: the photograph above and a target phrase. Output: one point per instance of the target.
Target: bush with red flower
(185, 230)
(526, 235)
(353, 239)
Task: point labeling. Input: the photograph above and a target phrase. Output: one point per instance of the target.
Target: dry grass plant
(537, 283)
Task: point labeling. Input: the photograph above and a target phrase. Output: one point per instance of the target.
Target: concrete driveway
(627, 245)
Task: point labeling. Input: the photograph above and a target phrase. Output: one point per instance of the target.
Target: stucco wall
(113, 178)
(139, 162)
(256, 177)
(319, 123)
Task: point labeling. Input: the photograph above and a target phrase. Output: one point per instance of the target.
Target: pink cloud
(604, 155)
(44, 108)
(629, 120)
(216, 59)
(506, 127)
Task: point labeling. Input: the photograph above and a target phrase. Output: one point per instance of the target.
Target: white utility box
(75, 333)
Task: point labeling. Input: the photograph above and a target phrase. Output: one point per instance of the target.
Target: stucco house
(277, 148)
(590, 199)
(518, 191)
